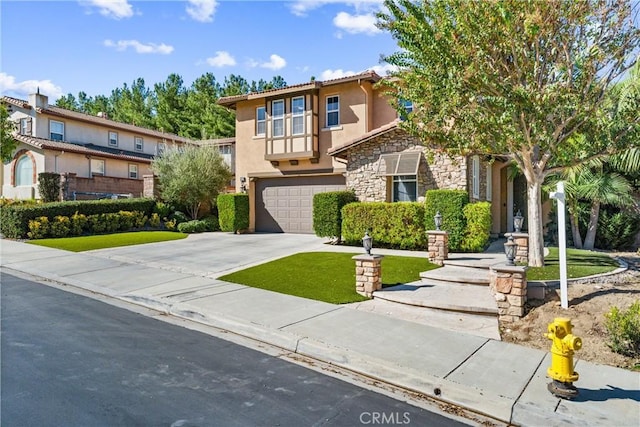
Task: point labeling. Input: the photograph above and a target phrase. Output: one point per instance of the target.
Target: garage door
(286, 204)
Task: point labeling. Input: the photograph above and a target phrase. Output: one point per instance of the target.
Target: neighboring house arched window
(24, 170)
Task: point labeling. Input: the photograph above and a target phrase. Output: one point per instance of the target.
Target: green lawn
(325, 276)
(102, 241)
(580, 263)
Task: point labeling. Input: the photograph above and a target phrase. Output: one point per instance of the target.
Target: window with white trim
(297, 115)
(138, 143)
(24, 171)
(333, 111)
(113, 139)
(97, 167)
(475, 176)
(403, 170)
(489, 182)
(408, 106)
(56, 130)
(261, 121)
(277, 117)
(159, 148)
(25, 126)
(133, 171)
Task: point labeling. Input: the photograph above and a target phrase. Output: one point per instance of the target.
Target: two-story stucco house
(294, 142)
(92, 153)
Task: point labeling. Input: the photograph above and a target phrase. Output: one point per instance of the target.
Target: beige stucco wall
(22, 192)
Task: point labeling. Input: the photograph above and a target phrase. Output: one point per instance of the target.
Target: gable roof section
(340, 150)
(230, 101)
(88, 149)
(101, 121)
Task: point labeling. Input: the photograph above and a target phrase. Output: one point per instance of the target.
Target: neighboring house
(92, 153)
(340, 134)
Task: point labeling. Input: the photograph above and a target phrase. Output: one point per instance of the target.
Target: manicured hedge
(478, 230)
(14, 219)
(233, 212)
(49, 186)
(391, 225)
(327, 212)
(78, 224)
(450, 204)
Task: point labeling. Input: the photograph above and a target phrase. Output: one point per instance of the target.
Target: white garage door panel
(286, 204)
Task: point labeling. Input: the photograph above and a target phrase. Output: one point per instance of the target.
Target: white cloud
(202, 10)
(116, 9)
(8, 84)
(276, 62)
(122, 45)
(335, 74)
(383, 70)
(302, 7)
(355, 24)
(222, 59)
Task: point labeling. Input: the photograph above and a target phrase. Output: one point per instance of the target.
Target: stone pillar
(509, 286)
(522, 250)
(67, 185)
(438, 246)
(151, 188)
(368, 274)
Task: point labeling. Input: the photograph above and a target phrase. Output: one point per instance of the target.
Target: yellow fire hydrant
(564, 343)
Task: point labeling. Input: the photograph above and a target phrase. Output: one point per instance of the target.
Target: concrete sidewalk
(504, 381)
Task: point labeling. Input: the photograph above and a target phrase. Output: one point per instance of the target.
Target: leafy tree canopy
(8, 143)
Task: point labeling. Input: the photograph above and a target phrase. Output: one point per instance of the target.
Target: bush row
(327, 212)
(79, 224)
(14, 218)
(233, 212)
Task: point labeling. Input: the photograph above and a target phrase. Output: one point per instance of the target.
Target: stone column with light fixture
(508, 284)
(438, 246)
(368, 274)
(151, 188)
(522, 248)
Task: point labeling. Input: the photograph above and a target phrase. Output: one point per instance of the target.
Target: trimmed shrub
(60, 226)
(624, 330)
(79, 224)
(233, 212)
(193, 226)
(391, 225)
(170, 225)
(617, 230)
(14, 218)
(211, 223)
(327, 212)
(478, 230)
(154, 221)
(162, 209)
(38, 228)
(179, 217)
(49, 186)
(450, 204)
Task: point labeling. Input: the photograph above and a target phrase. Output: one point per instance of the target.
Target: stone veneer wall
(442, 172)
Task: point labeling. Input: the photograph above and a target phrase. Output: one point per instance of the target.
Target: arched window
(24, 171)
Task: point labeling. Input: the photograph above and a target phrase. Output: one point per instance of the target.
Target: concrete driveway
(215, 254)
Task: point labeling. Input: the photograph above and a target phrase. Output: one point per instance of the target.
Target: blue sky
(96, 46)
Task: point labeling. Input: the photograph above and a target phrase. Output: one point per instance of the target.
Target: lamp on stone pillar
(367, 242)
(510, 250)
(518, 221)
(438, 220)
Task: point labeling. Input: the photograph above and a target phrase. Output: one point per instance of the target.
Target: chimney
(37, 100)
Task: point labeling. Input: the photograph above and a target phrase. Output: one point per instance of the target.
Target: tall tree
(8, 143)
(207, 119)
(513, 77)
(170, 102)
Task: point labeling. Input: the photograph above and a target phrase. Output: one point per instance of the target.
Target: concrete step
(457, 274)
(442, 296)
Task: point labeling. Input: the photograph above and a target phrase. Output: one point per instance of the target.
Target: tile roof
(63, 112)
(88, 149)
(230, 101)
(334, 151)
(218, 141)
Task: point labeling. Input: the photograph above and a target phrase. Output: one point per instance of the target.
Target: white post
(562, 243)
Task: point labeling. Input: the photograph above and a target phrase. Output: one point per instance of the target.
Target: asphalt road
(69, 360)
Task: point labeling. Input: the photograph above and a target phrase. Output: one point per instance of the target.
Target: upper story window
(138, 144)
(277, 117)
(25, 126)
(97, 167)
(261, 123)
(408, 107)
(333, 111)
(113, 139)
(24, 171)
(160, 148)
(297, 115)
(56, 130)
